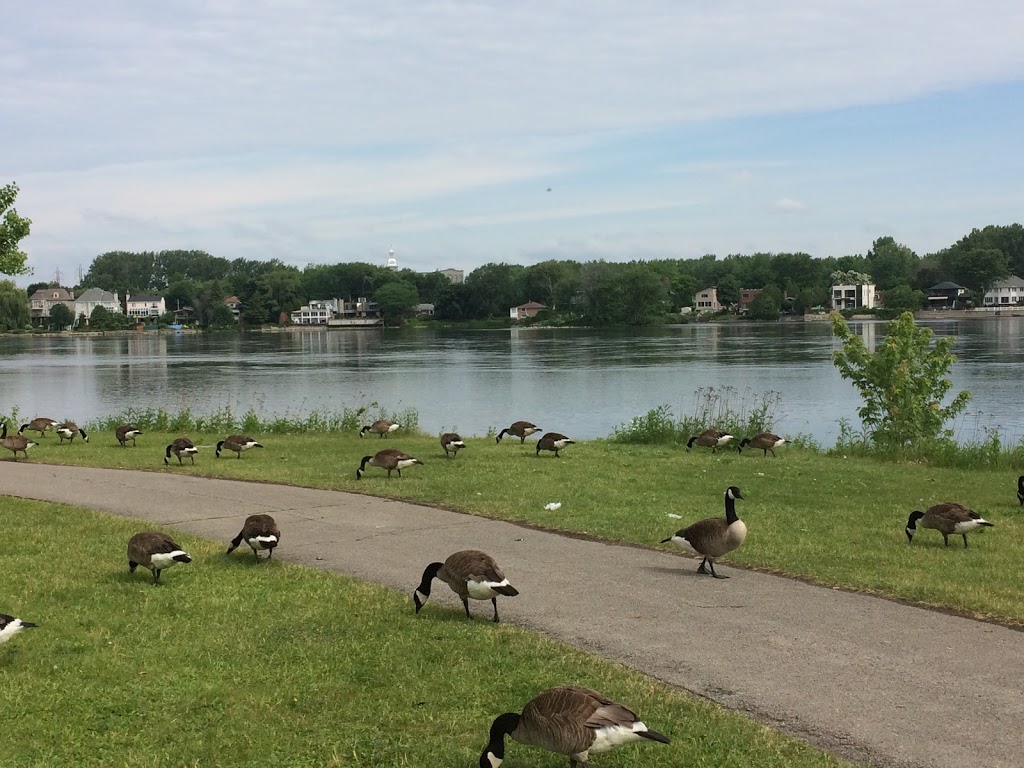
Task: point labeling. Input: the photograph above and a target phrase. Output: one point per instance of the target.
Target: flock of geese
(567, 719)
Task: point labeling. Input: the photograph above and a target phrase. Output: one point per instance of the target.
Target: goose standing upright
(155, 551)
(11, 626)
(181, 446)
(472, 575)
(16, 443)
(713, 537)
(709, 438)
(766, 441)
(125, 433)
(568, 720)
(69, 430)
(451, 441)
(520, 429)
(259, 532)
(237, 443)
(948, 518)
(381, 427)
(390, 459)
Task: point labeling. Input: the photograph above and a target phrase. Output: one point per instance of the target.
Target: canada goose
(710, 438)
(181, 446)
(713, 537)
(451, 442)
(380, 427)
(569, 720)
(259, 532)
(1020, 490)
(947, 518)
(766, 441)
(15, 443)
(40, 425)
(389, 459)
(237, 443)
(472, 575)
(10, 626)
(520, 429)
(69, 430)
(155, 551)
(553, 441)
(125, 433)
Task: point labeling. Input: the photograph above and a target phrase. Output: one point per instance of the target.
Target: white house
(1005, 292)
(97, 297)
(455, 276)
(707, 300)
(854, 296)
(315, 313)
(143, 306)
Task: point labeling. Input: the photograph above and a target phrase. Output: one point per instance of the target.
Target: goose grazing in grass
(948, 518)
(568, 720)
(710, 438)
(520, 429)
(451, 442)
(472, 575)
(40, 425)
(156, 551)
(766, 441)
(11, 625)
(553, 441)
(16, 443)
(259, 532)
(181, 446)
(69, 430)
(713, 537)
(125, 433)
(381, 427)
(390, 459)
(1020, 490)
(237, 443)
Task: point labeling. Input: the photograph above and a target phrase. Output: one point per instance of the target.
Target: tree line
(591, 293)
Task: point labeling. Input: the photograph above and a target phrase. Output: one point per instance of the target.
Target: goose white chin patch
(494, 761)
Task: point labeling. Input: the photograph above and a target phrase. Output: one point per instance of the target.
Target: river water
(582, 382)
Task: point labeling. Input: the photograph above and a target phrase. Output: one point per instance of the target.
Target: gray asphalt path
(869, 679)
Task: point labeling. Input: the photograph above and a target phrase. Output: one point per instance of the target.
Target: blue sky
(458, 133)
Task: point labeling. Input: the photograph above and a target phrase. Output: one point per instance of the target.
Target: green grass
(833, 520)
(233, 664)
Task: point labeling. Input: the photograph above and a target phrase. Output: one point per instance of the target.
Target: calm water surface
(582, 382)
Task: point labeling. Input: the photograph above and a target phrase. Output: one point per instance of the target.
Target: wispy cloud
(788, 205)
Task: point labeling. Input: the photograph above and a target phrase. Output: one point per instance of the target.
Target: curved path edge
(870, 679)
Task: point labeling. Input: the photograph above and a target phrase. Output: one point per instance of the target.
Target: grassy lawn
(836, 521)
(233, 664)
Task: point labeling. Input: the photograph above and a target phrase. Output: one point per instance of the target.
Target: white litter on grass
(676, 517)
(760, 474)
(551, 506)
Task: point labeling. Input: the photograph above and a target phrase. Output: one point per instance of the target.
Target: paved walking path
(870, 679)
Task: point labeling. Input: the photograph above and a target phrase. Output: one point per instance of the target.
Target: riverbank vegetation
(833, 518)
(234, 665)
(595, 293)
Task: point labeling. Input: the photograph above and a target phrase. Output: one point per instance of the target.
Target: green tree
(903, 298)
(767, 305)
(61, 317)
(13, 307)
(220, 316)
(13, 229)
(644, 295)
(396, 299)
(891, 263)
(102, 319)
(978, 269)
(122, 272)
(729, 290)
(902, 384)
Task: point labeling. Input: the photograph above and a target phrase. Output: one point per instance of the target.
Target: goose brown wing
(704, 529)
(950, 510)
(143, 546)
(555, 719)
(474, 564)
(259, 525)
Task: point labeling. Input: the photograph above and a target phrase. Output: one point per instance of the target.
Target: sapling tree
(903, 383)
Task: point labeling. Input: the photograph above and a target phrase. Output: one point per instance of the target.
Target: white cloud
(788, 205)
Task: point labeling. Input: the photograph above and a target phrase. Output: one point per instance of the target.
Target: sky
(461, 133)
